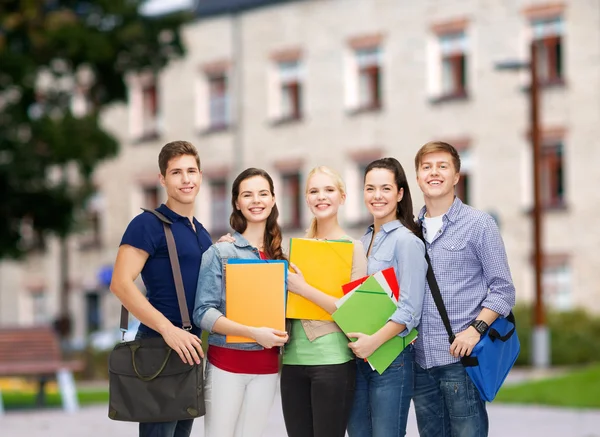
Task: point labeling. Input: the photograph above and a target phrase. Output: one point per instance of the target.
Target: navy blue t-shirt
(146, 232)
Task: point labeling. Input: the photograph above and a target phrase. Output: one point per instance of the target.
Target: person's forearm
(388, 331)
(488, 316)
(319, 298)
(137, 304)
(225, 326)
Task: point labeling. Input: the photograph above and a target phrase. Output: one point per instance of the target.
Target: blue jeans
(178, 428)
(381, 402)
(181, 428)
(447, 403)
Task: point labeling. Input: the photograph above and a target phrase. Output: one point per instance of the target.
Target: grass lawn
(17, 400)
(578, 389)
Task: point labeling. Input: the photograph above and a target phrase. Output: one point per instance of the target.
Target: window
(218, 97)
(39, 307)
(552, 175)
(556, 282)
(368, 61)
(290, 90)
(149, 110)
(92, 216)
(219, 215)
(151, 197)
(453, 64)
(364, 216)
(547, 35)
(291, 201)
(463, 187)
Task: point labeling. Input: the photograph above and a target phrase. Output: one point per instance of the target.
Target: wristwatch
(480, 326)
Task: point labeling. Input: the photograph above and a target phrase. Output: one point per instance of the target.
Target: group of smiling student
(327, 387)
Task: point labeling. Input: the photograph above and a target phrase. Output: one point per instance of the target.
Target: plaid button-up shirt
(471, 267)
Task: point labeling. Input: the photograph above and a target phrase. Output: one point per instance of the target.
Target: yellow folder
(326, 265)
(255, 294)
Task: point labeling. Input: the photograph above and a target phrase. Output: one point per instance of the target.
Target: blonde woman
(319, 370)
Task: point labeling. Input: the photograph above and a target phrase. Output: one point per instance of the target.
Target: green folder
(367, 312)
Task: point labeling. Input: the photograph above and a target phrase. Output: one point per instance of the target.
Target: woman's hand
(296, 281)
(364, 346)
(269, 337)
(227, 238)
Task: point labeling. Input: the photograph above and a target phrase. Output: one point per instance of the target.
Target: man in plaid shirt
(469, 261)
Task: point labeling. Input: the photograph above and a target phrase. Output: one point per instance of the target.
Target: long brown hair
(272, 238)
(404, 208)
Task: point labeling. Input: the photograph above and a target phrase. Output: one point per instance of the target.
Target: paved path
(513, 421)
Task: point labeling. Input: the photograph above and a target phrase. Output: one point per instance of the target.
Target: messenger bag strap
(172, 249)
(437, 297)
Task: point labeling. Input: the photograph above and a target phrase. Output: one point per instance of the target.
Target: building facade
(289, 85)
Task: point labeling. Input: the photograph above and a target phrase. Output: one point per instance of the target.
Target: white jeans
(237, 404)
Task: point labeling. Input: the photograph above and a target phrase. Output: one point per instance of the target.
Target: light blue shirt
(395, 246)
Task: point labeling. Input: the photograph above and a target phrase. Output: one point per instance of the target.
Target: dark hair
(175, 149)
(272, 239)
(437, 146)
(404, 208)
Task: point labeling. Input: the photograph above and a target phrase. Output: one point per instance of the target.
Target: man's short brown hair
(438, 146)
(175, 149)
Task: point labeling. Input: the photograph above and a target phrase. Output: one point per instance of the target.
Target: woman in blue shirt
(381, 402)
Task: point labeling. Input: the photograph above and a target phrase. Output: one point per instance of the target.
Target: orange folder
(255, 294)
(326, 265)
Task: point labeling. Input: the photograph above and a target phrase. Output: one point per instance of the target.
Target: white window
(144, 106)
(368, 70)
(453, 49)
(557, 283)
(547, 35)
(218, 101)
(286, 91)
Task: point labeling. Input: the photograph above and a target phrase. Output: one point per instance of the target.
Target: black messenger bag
(148, 382)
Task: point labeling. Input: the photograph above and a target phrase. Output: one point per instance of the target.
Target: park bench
(35, 351)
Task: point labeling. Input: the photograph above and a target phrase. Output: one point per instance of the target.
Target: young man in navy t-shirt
(143, 250)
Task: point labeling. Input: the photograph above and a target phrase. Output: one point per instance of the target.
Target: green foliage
(574, 336)
(18, 400)
(578, 389)
(49, 50)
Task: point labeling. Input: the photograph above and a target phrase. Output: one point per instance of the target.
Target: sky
(155, 7)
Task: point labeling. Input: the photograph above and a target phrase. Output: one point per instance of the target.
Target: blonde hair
(311, 232)
(437, 146)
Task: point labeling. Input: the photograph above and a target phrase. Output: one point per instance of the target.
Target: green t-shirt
(329, 349)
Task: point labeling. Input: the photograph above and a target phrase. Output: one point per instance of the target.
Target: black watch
(480, 326)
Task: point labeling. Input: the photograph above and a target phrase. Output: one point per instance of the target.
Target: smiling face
(437, 176)
(323, 195)
(182, 179)
(255, 200)
(381, 195)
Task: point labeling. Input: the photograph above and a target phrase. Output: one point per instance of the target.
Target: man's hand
(464, 342)
(187, 345)
(295, 281)
(364, 346)
(227, 238)
(269, 337)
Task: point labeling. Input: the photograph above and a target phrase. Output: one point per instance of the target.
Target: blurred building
(288, 85)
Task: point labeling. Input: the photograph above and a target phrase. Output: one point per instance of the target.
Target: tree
(61, 63)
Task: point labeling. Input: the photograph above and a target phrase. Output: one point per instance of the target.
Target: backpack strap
(175, 267)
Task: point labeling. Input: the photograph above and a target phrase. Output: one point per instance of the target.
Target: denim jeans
(381, 402)
(178, 428)
(447, 403)
(316, 400)
(181, 428)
